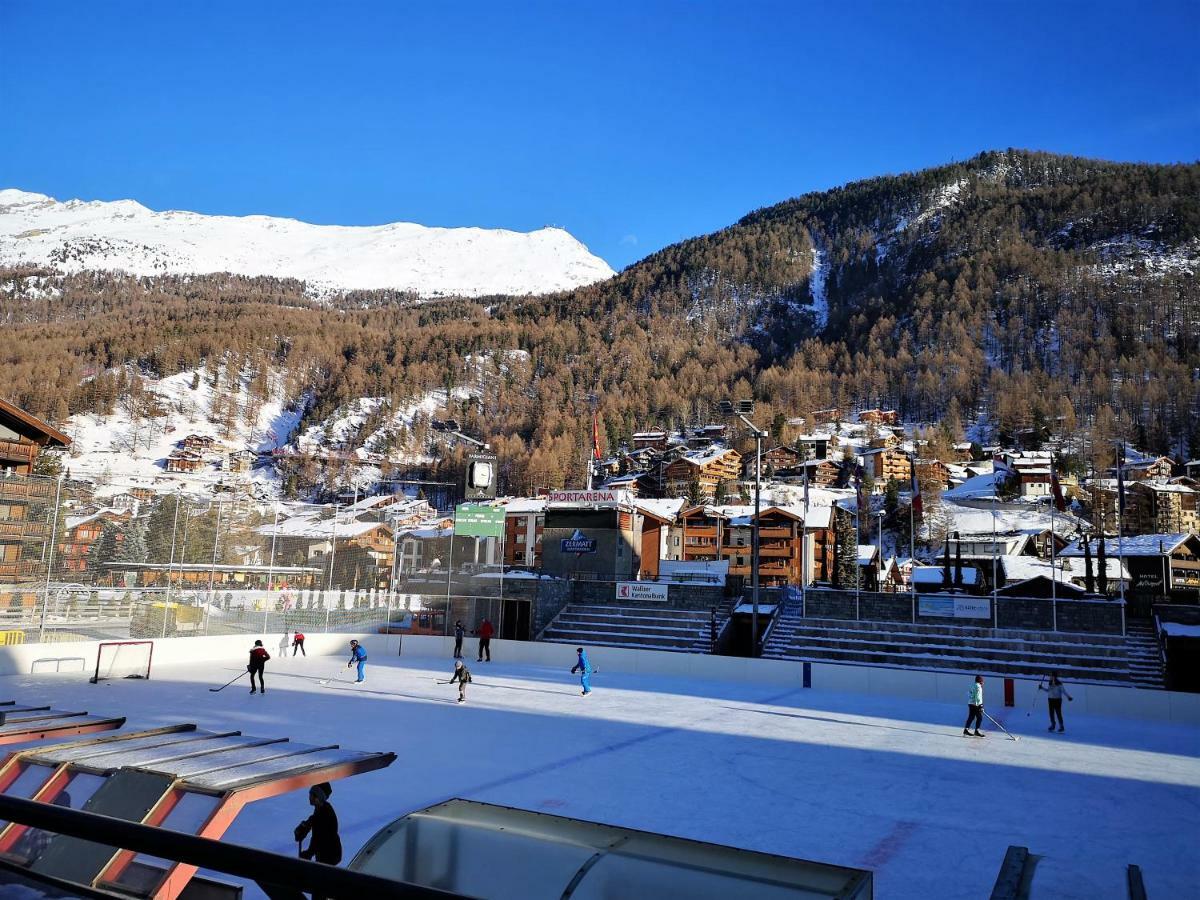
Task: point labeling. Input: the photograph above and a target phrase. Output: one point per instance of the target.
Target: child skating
(584, 668)
(1054, 694)
(358, 657)
(462, 675)
(257, 665)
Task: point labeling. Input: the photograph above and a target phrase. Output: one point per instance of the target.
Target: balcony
(700, 532)
(23, 529)
(775, 532)
(15, 452)
(22, 568)
(18, 487)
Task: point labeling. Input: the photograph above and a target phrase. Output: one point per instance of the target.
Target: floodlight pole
(754, 549)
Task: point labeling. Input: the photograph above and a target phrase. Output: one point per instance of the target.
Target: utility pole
(741, 409)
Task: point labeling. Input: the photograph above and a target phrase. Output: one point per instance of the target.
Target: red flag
(595, 436)
(1060, 502)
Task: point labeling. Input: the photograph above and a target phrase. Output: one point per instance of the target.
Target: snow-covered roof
(1166, 487)
(707, 455)
(1022, 568)
(667, 508)
(867, 554)
(525, 505)
(935, 575)
(1180, 629)
(317, 529)
(1133, 545)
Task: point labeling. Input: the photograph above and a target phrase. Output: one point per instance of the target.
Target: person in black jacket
(458, 638)
(258, 665)
(326, 845)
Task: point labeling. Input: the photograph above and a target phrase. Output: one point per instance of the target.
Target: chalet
(816, 446)
(821, 472)
(1192, 469)
(962, 451)
(639, 484)
(124, 501)
(240, 461)
(145, 494)
(707, 434)
(879, 417)
(932, 579)
(886, 438)
(832, 414)
(885, 464)
(198, 443)
(80, 533)
(868, 567)
(892, 579)
(932, 471)
(706, 468)
(1148, 469)
(790, 548)
(1158, 564)
(774, 460)
(349, 550)
(524, 520)
(1161, 507)
(1043, 586)
(24, 501)
(650, 440)
(185, 462)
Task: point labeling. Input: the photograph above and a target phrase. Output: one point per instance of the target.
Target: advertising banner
(954, 607)
(641, 590)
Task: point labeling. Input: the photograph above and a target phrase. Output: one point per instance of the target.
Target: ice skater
(1054, 694)
(485, 640)
(358, 657)
(462, 675)
(459, 631)
(326, 845)
(975, 708)
(258, 665)
(298, 643)
(584, 668)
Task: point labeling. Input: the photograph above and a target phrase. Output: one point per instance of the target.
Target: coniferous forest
(1019, 289)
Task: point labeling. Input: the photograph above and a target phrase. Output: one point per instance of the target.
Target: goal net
(123, 659)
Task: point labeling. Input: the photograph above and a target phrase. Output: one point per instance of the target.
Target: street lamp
(741, 409)
(879, 564)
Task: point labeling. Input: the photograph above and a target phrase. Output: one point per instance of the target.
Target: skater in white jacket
(1055, 691)
(975, 708)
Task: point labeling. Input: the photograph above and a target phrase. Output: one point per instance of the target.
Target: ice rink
(880, 783)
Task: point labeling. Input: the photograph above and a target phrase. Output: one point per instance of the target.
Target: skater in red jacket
(485, 640)
(257, 665)
(298, 643)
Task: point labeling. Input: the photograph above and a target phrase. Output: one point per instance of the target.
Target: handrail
(218, 856)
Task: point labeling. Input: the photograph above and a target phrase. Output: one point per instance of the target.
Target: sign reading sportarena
(599, 496)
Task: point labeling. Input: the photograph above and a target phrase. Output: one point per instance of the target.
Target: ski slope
(875, 782)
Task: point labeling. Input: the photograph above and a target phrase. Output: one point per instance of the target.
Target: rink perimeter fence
(116, 561)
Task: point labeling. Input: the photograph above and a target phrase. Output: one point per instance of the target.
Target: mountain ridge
(126, 236)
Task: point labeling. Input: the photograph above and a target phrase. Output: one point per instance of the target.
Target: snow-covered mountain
(125, 236)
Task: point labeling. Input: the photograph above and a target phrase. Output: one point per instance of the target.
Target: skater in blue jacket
(358, 656)
(584, 668)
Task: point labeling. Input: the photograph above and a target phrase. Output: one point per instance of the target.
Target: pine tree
(104, 550)
(132, 549)
(846, 569)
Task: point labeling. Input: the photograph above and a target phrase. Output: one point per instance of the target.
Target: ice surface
(884, 783)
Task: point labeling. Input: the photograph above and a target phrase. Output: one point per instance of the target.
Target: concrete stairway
(1145, 659)
(648, 628)
(1079, 657)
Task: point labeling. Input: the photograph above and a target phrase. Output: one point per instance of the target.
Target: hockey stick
(1001, 727)
(336, 677)
(226, 684)
(1033, 702)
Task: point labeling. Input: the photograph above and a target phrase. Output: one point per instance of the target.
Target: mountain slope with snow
(125, 236)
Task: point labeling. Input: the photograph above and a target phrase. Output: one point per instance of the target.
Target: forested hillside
(1015, 288)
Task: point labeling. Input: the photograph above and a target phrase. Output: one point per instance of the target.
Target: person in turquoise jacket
(358, 656)
(584, 668)
(975, 708)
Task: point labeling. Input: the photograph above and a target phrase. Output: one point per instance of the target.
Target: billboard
(478, 520)
(641, 590)
(955, 607)
(578, 543)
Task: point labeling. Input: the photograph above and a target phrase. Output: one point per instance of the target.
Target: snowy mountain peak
(127, 237)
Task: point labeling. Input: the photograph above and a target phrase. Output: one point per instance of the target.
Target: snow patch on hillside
(130, 447)
(127, 237)
(817, 280)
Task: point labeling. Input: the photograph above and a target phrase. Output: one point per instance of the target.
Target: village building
(24, 501)
(600, 535)
(650, 440)
(818, 445)
(524, 522)
(357, 554)
(185, 462)
(1161, 507)
(879, 417)
(791, 550)
(1160, 565)
(1149, 469)
(702, 470)
(198, 443)
(885, 464)
(932, 472)
(80, 533)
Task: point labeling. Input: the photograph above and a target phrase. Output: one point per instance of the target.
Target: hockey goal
(123, 659)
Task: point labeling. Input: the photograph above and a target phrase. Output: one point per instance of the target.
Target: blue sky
(631, 124)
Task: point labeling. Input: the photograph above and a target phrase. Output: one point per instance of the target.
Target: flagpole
(1121, 530)
(1053, 548)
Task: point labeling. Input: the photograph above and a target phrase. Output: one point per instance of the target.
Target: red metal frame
(64, 727)
(103, 644)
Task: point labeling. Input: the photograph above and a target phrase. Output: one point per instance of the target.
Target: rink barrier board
(1104, 700)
